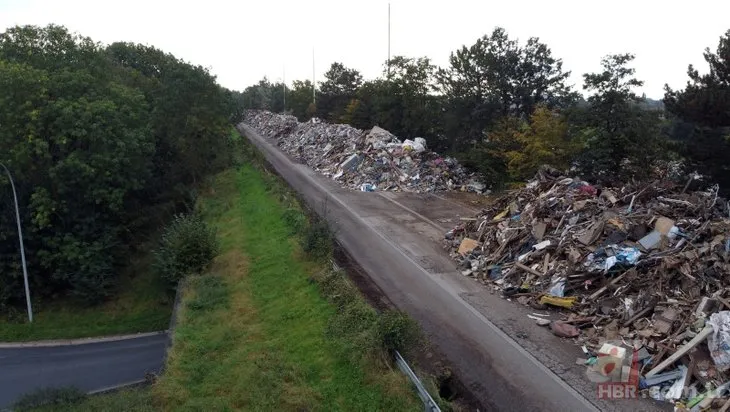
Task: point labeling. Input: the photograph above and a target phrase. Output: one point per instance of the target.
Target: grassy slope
(252, 333)
(141, 306)
(128, 400)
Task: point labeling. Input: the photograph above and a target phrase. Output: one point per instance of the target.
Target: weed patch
(210, 293)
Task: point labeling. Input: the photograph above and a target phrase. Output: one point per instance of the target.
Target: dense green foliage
(317, 239)
(504, 108)
(622, 138)
(187, 246)
(103, 143)
(703, 110)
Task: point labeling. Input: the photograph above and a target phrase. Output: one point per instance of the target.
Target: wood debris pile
(645, 267)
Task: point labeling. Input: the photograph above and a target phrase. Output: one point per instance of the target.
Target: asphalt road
(88, 366)
(507, 361)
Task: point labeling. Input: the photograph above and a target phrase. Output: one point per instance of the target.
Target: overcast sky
(242, 41)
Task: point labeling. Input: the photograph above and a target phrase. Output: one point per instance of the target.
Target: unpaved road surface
(508, 362)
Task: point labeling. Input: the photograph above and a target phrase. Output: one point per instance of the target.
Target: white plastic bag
(719, 341)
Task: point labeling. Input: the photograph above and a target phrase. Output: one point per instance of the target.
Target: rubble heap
(364, 160)
(643, 267)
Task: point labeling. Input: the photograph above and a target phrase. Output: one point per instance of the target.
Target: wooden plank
(615, 280)
(707, 331)
(527, 269)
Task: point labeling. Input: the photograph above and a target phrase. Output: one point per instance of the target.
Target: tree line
(504, 108)
(103, 142)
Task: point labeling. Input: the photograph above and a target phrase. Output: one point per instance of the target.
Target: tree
(706, 98)
(623, 140)
(545, 141)
(339, 87)
(703, 113)
(300, 98)
(83, 150)
(101, 141)
(258, 96)
(402, 102)
(408, 95)
(496, 77)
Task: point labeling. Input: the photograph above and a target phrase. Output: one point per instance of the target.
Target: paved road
(507, 361)
(89, 366)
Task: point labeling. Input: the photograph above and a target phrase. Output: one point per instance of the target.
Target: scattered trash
(354, 157)
(719, 341)
(467, 245)
(564, 330)
(644, 266)
(367, 187)
(557, 286)
(558, 301)
(540, 321)
(659, 379)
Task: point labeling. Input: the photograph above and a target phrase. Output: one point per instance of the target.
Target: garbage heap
(364, 160)
(639, 274)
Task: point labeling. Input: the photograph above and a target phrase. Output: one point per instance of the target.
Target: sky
(241, 41)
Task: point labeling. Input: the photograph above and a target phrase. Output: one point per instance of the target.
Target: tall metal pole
(22, 248)
(284, 88)
(388, 40)
(314, 84)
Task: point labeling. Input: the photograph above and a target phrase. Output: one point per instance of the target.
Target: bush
(188, 245)
(295, 220)
(317, 240)
(49, 396)
(398, 331)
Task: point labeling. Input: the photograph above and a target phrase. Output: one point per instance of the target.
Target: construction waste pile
(364, 160)
(639, 276)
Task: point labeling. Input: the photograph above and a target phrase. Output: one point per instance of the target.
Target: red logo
(617, 377)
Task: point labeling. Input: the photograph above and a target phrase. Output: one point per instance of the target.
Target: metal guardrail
(429, 405)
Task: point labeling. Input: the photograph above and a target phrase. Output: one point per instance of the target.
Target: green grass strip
(252, 333)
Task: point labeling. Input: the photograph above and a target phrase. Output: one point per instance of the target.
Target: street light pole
(388, 41)
(22, 248)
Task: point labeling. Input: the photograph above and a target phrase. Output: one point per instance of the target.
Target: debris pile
(364, 160)
(641, 273)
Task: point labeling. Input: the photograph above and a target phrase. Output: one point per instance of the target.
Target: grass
(142, 305)
(134, 399)
(256, 332)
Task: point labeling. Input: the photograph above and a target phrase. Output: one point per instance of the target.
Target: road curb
(114, 388)
(74, 342)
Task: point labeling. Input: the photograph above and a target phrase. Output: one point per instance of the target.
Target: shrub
(398, 331)
(188, 245)
(295, 220)
(317, 240)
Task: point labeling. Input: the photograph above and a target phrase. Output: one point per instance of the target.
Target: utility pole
(285, 88)
(388, 41)
(314, 83)
(22, 248)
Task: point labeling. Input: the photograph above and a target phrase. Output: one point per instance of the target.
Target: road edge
(80, 341)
